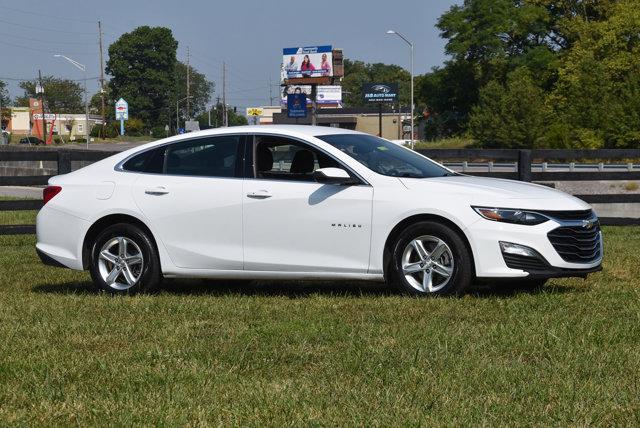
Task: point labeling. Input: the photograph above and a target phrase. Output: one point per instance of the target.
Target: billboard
(380, 92)
(297, 105)
(310, 61)
(326, 94)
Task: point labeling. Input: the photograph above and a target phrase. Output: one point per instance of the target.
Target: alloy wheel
(120, 263)
(427, 263)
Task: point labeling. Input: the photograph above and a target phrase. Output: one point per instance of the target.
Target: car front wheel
(429, 258)
(124, 260)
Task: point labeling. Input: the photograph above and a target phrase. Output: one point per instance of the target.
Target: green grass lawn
(18, 217)
(209, 353)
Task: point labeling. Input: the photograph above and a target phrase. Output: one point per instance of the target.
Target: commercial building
(22, 122)
(395, 124)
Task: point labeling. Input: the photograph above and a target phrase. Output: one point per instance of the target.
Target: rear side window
(151, 161)
(205, 157)
(208, 157)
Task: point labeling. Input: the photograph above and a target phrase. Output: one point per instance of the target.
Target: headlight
(503, 215)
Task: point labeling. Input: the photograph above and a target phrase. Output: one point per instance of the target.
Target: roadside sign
(296, 105)
(122, 110)
(380, 92)
(254, 111)
(122, 113)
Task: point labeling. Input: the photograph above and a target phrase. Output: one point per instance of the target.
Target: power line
(45, 15)
(18, 79)
(42, 50)
(43, 29)
(46, 41)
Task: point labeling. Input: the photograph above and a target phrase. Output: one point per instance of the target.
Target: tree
(598, 94)
(142, 65)
(95, 103)
(356, 73)
(200, 89)
(514, 115)
(4, 94)
(447, 94)
(61, 95)
(235, 119)
(4, 102)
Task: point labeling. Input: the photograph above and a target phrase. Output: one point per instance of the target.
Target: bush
(104, 131)
(133, 127)
(158, 132)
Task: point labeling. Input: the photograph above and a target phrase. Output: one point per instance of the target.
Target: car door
(292, 223)
(193, 198)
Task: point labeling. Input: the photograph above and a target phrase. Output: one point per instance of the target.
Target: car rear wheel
(124, 260)
(429, 258)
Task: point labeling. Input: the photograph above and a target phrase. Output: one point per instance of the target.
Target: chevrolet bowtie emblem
(587, 224)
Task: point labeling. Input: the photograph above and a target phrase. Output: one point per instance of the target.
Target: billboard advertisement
(326, 94)
(297, 105)
(380, 92)
(310, 61)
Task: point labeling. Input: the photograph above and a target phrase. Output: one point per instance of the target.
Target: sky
(248, 35)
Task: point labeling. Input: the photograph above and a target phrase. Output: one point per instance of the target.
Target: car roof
(299, 131)
(307, 130)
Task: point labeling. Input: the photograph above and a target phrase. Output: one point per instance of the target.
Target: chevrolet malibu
(302, 202)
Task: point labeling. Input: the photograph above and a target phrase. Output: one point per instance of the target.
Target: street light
(177, 117)
(86, 98)
(411, 46)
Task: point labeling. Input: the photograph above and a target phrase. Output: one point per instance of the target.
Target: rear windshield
(384, 157)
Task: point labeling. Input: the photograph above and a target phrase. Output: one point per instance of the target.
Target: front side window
(384, 157)
(280, 158)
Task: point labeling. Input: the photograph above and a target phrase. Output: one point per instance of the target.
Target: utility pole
(270, 92)
(314, 105)
(188, 84)
(101, 79)
(44, 122)
(215, 116)
(225, 118)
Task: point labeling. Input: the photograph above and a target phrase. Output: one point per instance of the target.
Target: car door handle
(260, 194)
(157, 191)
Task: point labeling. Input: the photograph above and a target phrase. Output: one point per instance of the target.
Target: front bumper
(485, 235)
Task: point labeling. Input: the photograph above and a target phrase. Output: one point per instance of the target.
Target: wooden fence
(524, 159)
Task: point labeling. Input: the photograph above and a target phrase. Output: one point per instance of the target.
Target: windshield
(384, 157)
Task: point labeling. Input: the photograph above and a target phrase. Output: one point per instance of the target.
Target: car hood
(496, 192)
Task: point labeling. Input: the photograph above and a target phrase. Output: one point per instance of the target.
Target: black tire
(148, 276)
(462, 273)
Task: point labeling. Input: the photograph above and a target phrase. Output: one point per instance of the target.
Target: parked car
(31, 140)
(302, 202)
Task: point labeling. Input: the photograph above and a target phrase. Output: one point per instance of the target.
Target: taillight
(49, 192)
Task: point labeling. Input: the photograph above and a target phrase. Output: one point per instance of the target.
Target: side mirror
(333, 176)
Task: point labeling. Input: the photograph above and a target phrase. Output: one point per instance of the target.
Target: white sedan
(302, 202)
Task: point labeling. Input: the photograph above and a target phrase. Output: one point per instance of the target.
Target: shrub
(104, 131)
(158, 132)
(134, 127)
(631, 186)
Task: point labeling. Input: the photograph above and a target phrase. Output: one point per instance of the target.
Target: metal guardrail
(524, 159)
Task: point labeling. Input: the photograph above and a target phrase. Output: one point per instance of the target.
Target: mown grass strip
(270, 353)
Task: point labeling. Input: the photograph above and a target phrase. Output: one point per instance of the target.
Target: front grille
(514, 261)
(569, 215)
(576, 244)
